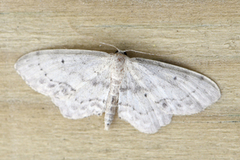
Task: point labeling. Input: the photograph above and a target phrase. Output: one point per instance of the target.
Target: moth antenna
(138, 52)
(110, 46)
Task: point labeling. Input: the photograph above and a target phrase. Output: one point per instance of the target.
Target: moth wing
(152, 91)
(76, 80)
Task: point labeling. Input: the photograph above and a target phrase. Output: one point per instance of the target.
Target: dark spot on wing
(64, 90)
(51, 85)
(164, 105)
(62, 61)
(45, 74)
(94, 82)
(179, 105)
(137, 89)
(145, 94)
(175, 78)
(201, 78)
(50, 79)
(114, 100)
(124, 89)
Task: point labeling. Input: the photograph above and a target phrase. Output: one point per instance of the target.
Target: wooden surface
(203, 36)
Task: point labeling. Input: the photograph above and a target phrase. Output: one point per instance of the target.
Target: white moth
(147, 93)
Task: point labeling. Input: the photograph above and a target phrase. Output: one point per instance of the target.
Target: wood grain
(200, 35)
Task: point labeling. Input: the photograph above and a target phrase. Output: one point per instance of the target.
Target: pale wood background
(200, 35)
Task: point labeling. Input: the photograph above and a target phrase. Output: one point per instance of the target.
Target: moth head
(121, 52)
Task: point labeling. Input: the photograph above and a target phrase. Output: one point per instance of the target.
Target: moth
(145, 93)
